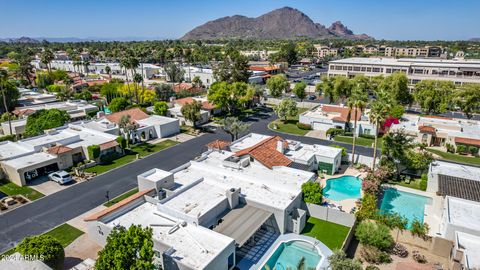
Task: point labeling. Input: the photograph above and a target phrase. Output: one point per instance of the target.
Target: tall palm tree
(46, 58)
(4, 84)
(379, 111)
(357, 101)
(108, 70)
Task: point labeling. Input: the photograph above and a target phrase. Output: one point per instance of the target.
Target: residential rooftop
(455, 170)
(463, 212)
(471, 246)
(194, 246)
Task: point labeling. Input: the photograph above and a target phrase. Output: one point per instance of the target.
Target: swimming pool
(292, 255)
(342, 188)
(409, 205)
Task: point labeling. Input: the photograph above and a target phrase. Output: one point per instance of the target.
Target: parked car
(61, 177)
(311, 97)
(293, 96)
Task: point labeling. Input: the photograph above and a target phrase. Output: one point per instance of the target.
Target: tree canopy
(130, 248)
(397, 84)
(233, 126)
(467, 98)
(160, 108)
(286, 108)
(45, 119)
(191, 112)
(277, 84)
(299, 90)
(232, 96)
(45, 247)
(118, 104)
(233, 68)
(433, 96)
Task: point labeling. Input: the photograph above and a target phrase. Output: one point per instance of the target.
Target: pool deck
(324, 251)
(433, 212)
(347, 204)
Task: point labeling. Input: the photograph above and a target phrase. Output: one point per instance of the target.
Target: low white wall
(304, 104)
(330, 214)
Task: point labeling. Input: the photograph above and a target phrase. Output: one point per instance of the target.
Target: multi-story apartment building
(457, 70)
(324, 51)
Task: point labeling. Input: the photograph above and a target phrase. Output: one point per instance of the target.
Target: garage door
(42, 171)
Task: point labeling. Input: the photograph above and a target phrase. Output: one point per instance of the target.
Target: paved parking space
(47, 187)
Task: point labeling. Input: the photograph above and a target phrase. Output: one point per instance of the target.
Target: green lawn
(414, 183)
(11, 189)
(289, 127)
(65, 234)
(358, 141)
(142, 150)
(331, 234)
(121, 197)
(455, 157)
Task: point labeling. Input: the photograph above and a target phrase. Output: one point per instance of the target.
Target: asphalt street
(48, 212)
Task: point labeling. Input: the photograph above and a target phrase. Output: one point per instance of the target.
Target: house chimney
(280, 146)
(233, 197)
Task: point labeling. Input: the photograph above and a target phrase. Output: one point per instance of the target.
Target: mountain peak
(282, 23)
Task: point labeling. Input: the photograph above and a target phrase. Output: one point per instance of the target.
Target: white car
(61, 177)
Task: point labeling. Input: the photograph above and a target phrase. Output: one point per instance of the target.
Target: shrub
(393, 220)
(450, 148)
(344, 150)
(304, 126)
(312, 192)
(367, 136)
(473, 150)
(122, 142)
(423, 184)
(7, 138)
(370, 184)
(374, 234)
(93, 151)
(400, 250)
(339, 261)
(419, 257)
(368, 210)
(45, 247)
(118, 104)
(420, 229)
(461, 149)
(348, 134)
(335, 131)
(160, 108)
(372, 254)
(372, 267)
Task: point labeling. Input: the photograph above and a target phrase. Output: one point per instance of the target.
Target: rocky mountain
(283, 23)
(20, 40)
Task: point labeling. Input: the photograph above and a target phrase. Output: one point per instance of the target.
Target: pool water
(409, 205)
(291, 255)
(342, 188)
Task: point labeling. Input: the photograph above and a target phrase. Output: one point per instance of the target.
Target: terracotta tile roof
(467, 141)
(108, 145)
(266, 152)
(263, 68)
(186, 87)
(135, 115)
(205, 104)
(117, 206)
(343, 111)
(24, 112)
(218, 145)
(427, 129)
(59, 149)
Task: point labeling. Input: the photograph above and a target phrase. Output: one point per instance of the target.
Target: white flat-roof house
(457, 70)
(149, 126)
(466, 251)
(57, 149)
(75, 108)
(207, 110)
(440, 171)
(459, 215)
(274, 150)
(440, 131)
(205, 75)
(205, 210)
(325, 116)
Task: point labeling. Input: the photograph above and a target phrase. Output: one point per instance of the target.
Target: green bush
(304, 126)
(44, 247)
(122, 142)
(423, 185)
(461, 149)
(335, 131)
(373, 234)
(373, 255)
(312, 192)
(420, 229)
(473, 150)
(367, 136)
(450, 148)
(368, 210)
(110, 157)
(344, 150)
(339, 261)
(348, 134)
(7, 138)
(93, 151)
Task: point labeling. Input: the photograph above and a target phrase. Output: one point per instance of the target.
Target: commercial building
(274, 151)
(205, 214)
(325, 117)
(440, 131)
(57, 149)
(324, 51)
(457, 70)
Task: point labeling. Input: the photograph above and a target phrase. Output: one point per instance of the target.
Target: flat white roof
(407, 62)
(456, 170)
(155, 174)
(10, 149)
(15, 123)
(247, 141)
(29, 160)
(156, 120)
(196, 200)
(276, 187)
(463, 212)
(306, 151)
(471, 245)
(99, 124)
(194, 246)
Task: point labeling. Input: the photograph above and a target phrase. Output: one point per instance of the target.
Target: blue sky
(406, 19)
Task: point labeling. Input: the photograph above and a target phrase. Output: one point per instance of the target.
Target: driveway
(47, 187)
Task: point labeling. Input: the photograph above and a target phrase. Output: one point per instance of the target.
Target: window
(376, 70)
(356, 68)
(389, 70)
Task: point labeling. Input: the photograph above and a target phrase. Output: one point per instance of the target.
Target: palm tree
(379, 111)
(4, 83)
(108, 70)
(233, 126)
(357, 101)
(127, 127)
(46, 58)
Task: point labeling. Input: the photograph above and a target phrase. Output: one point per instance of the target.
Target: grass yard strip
(455, 157)
(358, 141)
(289, 127)
(12, 189)
(121, 197)
(331, 234)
